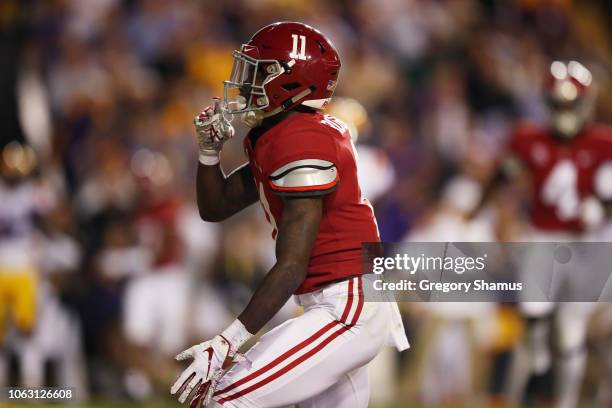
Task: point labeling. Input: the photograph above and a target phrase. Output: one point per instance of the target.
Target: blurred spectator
(106, 92)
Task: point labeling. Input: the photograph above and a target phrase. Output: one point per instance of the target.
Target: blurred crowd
(102, 209)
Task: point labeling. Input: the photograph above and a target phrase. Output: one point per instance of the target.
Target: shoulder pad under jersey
(306, 177)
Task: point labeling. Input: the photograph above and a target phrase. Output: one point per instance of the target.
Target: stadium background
(105, 92)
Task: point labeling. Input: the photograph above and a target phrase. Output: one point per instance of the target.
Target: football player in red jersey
(568, 161)
(569, 165)
(302, 170)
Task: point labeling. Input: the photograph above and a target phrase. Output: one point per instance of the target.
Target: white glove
(213, 129)
(211, 360)
(208, 366)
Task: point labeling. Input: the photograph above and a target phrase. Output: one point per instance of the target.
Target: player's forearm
(220, 196)
(276, 288)
(210, 188)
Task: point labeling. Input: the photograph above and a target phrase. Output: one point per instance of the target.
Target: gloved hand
(211, 360)
(212, 129)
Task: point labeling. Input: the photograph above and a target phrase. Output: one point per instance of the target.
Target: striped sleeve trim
(312, 176)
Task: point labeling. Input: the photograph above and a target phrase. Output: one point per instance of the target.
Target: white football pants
(318, 359)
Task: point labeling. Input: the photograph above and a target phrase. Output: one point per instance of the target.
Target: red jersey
(312, 154)
(564, 173)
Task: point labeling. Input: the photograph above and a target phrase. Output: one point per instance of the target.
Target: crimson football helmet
(570, 97)
(283, 65)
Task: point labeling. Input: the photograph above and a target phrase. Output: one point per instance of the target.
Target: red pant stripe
(359, 304)
(299, 360)
(293, 350)
(349, 302)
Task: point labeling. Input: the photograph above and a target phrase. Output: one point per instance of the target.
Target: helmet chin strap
(254, 118)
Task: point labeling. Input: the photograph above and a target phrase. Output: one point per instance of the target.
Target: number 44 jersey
(564, 173)
(307, 155)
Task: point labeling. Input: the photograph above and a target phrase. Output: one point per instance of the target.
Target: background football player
(20, 243)
(302, 168)
(568, 165)
(18, 262)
